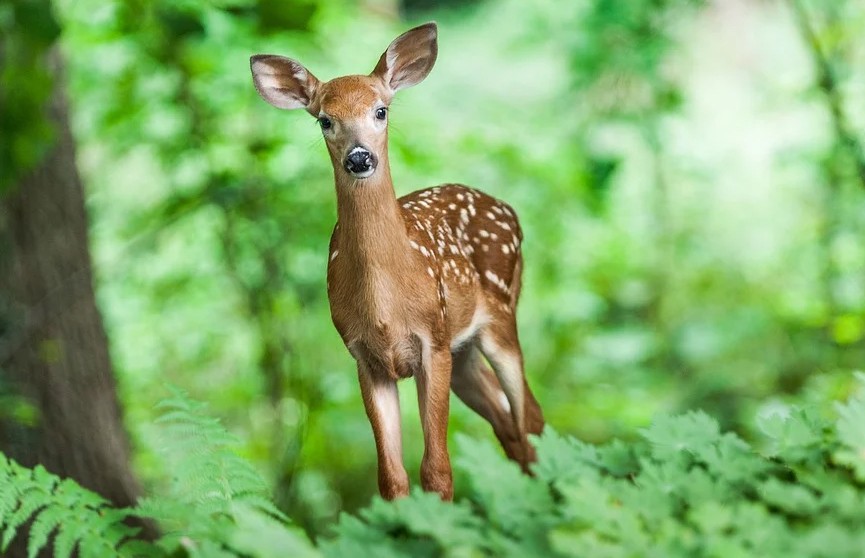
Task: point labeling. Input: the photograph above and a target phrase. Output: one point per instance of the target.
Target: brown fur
(424, 286)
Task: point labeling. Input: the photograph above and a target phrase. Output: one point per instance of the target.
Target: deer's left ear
(409, 58)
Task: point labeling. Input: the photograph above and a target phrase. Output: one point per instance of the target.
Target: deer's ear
(409, 58)
(283, 82)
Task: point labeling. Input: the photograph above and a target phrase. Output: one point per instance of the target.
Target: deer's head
(352, 110)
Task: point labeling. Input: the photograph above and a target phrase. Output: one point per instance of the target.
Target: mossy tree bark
(53, 348)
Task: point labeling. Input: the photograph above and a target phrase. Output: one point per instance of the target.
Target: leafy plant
(210, 485)
(694, 254)
(684, 489)
(73, 515)
(216, 505)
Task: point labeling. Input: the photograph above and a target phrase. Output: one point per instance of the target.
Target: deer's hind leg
(500, 345)
(479, 388)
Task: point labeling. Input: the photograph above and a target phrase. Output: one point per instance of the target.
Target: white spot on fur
(332, 256)
(496, 280)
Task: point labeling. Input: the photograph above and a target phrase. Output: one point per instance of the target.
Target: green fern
(685, 489)
(210, 484)
(78, 518)
(213, 493)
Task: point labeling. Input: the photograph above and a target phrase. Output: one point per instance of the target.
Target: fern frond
(210, 484)
(197, 448)
(74, 517)
(65, 541)
(31, 491)
(45, 523)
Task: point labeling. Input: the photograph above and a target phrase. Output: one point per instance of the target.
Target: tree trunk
(53, 348)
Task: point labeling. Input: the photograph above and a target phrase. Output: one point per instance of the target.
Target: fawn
(424, 285)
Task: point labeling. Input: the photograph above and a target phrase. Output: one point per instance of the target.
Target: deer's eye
(381, 113)
(324, 122)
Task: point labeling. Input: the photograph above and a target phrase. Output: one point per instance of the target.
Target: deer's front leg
(381, 400)
(433, 391)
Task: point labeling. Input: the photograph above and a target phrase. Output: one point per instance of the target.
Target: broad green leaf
(690, 433)
(258, 534)
(851, 433)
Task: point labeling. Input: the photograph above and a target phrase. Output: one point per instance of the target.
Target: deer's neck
(371, 228)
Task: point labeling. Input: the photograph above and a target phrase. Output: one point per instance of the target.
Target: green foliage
(683, 489)
(216, 501)
(209, 482)
(621, 49)
(693, 222)
(59, 510)
(851, 434)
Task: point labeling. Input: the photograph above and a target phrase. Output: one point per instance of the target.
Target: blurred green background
(689, 175)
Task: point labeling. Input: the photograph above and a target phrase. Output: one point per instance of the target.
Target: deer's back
(471, 238)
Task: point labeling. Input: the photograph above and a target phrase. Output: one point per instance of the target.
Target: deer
(423, 286)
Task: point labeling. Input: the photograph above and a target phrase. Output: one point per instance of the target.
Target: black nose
(359, 161)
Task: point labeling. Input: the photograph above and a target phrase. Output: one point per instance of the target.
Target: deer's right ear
(283, 82)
